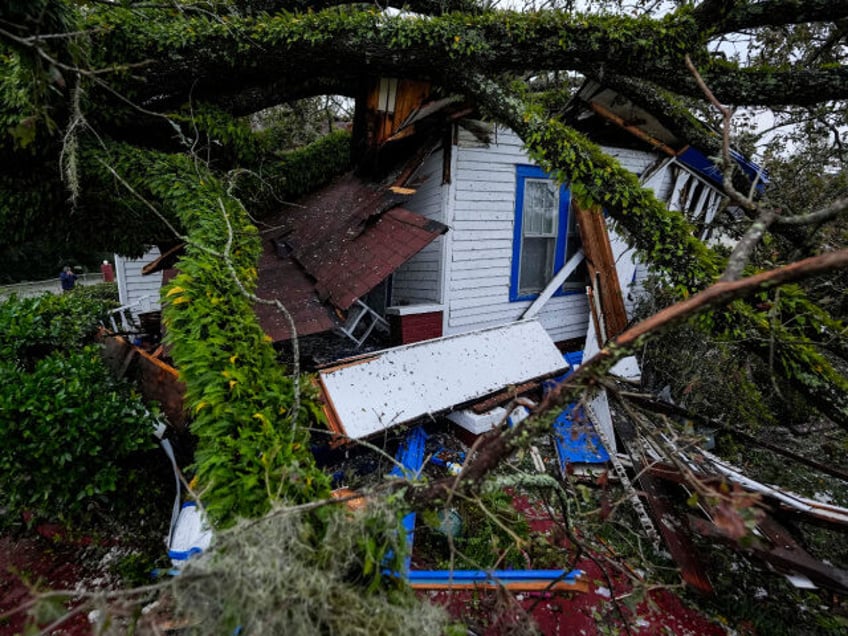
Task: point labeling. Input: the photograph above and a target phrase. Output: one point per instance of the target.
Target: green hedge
(66, 424)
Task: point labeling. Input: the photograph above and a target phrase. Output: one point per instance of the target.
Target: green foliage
(66, 424)
(229, 139)
(664, 238)
(304, 170)
(252, 445)
(298, 123)
(32, 327)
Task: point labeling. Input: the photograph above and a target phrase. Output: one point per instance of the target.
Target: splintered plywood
(371, 394)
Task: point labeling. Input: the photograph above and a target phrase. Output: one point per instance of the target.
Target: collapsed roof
(330, 250)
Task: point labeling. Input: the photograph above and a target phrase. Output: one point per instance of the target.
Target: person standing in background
(67, 278)
(108, 272)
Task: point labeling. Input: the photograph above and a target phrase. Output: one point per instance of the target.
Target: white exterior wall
(135, 289)
(481, 215)
(419, 280)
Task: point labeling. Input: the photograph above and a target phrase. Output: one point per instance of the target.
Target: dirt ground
(34, 562)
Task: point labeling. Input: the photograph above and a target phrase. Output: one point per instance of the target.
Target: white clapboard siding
(139, 292)
(468, 270)
(419, 280)
(482, 218)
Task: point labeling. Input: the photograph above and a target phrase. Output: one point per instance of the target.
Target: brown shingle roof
(338, 245)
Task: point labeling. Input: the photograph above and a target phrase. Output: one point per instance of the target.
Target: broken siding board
(405, 383)
(157, 381)
(479, 196)
(471, 291)
(475, 266)
(510, 312)
(489, 185)
(495, 274)
(636, 161)
(474, 254)
(503, 215)
(482, 170)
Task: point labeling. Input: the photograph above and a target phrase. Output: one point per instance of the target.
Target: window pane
(537, 261)
(540, 207)
(577, 278)
(572, 244)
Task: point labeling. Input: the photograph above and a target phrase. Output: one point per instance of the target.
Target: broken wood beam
(783, 553)
(503, 396)
(672, 530)
(602, 270)
(633, 130)
(158, 382)
(674, 534)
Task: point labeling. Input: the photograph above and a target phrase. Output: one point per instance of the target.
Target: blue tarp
(410, 455)
(575, 438)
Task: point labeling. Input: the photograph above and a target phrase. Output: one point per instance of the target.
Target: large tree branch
(424, 7)
(761, 87)
(500, 443)
(665, 239)
(210, 56)
(729, 16)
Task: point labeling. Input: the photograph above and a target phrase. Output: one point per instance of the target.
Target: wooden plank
(782, 555)
(670, 526)
(554, 285)
(633, 130)
(674, 534)
(601, 265)
(503, 396)
(157, 380)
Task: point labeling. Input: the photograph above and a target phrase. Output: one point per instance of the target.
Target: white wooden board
(400, 385)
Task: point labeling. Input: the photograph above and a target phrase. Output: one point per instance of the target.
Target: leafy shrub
(65, 422)
(65, 428)
(30, 328)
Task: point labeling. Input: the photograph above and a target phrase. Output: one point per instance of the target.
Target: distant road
(36, 288)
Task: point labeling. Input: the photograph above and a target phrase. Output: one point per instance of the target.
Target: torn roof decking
(373, 393)
(337, 245)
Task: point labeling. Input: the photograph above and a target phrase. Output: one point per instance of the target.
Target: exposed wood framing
(409, 95)
(633, 130)
(601, 266)
(158, 382)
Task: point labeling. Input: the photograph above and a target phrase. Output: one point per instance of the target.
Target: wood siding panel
(135, 288)
(482, 238)
(419, 279)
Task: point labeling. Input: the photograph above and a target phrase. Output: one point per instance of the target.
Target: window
(544, 234)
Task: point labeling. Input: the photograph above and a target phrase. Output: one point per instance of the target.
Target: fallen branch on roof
(500, 443)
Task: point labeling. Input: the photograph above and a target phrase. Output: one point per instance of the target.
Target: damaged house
(482, 273)
(446, 229)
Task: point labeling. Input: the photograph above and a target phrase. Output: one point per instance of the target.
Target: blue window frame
(544, 235)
